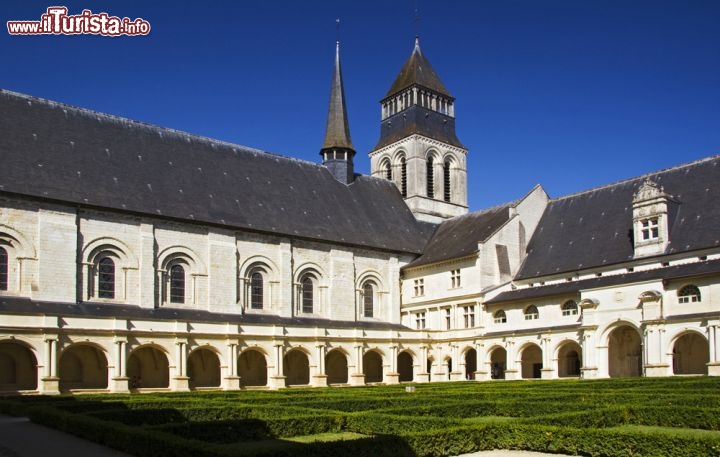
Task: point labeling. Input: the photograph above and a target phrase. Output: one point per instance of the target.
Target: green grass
(609, 417)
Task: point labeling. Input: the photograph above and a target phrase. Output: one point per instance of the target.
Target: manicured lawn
(619, 417)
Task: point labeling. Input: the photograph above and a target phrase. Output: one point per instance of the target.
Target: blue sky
(568, 94)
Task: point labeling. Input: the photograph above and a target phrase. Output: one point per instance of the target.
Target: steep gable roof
(459, 237)
(72, 155)
(594, 228)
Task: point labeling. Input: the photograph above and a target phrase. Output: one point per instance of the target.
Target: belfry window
(106, 278)
(177, 284)
(430, 178)
(403, 177)
(689, 294)
(446, 180)
(387, 170)
(3, 269)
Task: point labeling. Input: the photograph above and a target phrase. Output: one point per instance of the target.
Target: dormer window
(650, 220)
(649, 229)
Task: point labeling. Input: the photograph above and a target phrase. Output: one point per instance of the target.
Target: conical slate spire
(337, 132)
(417, 71)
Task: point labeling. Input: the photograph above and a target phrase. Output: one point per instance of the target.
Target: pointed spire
(417, 71)
(337, 132)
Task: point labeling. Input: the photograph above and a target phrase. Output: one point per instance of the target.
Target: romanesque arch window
(500, 317)
(307, 293)
(430, 178)
(106, 277)
(177, 283)
(386, 169)
(3, 269)
(689, 294)
(446, 181)
(403, 177)
(531, 313)
(369, 298)
(569, 308)
(256, 290)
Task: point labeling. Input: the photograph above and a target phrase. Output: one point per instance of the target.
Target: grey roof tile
(76, 156)
(594, 228)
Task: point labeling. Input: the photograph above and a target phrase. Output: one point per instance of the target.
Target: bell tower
(418, 149)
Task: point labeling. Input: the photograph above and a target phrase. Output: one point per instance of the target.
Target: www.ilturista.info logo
(57, 22)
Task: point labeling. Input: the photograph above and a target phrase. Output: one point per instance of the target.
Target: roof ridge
(154, 127)
(635, 178)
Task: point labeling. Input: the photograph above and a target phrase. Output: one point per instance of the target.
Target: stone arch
(252, 367)
(385, 167)
(148, 367)
(123, 259)
(336, 367)
(18, 366)
(405, 366)
(296, 367)
(624, 351)
(21, 245)
(83, 366)
(187, 264)
(470, 357)
(497, 358)
(569, 359)
(373, 366)
(531, 361)
(690, 353)
(257, 294)
(109, 244)
(203, 367)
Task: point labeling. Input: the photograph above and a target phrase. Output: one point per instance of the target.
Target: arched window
(177, 284)
(403, 177)
(446, 180)
(256, 290)
(106, 278)
(689, 294)
(387, 170)
(430, 178)
(569, 308)
(499, 317)
(531, 313)
(307, 293)
(368, 299)
(3, 269)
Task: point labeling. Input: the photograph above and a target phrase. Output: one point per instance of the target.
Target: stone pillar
(589, 367)
(457, 372)
(511, 372)
(232, 380)
(714, 363)
(654, 362)
(50, 383)
(423, 375)
(180, 381)
(358, 378)
(481, 372)
(119, 379)
(548, 369)
(277, 379)
(393, 377)
(319, 379)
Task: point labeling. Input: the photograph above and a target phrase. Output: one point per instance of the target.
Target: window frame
(420, 320)
(4, 269)
(307, 293)
(569, 308)
(686, 298)
(174, 281)
(531, 313)
(650, 229)
(500, 317)
(455, 279)
(469, 316)
(368, 296)
(106, 280)
(419, 287)
(257, 289)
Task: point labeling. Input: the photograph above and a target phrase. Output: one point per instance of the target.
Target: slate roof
(418, 120)
(417, 70)
(594, 228)
(459, 236)
(337, 131)
(76, 156)
(25, 306)
(708, 267)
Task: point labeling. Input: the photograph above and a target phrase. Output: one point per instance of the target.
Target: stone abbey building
(134, 257)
